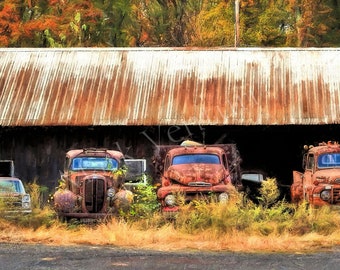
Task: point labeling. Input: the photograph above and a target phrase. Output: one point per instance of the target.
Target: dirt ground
(41, 257)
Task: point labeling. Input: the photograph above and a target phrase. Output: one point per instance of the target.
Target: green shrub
(269, 192)
(39, 194)
(145, 203)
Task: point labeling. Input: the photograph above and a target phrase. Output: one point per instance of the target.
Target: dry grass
(157, 234)
(118, 233)
(235, 226)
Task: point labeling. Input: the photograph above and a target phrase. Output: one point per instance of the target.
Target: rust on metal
(195, 172)
(319, 182)
(166, 86)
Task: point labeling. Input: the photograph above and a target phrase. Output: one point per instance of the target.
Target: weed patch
(236, 225)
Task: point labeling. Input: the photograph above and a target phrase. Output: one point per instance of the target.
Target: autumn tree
(332, 38)
(39, 28)
(208, 23)
(79, 22)
(215, 24)
(121, 26)
(168, 22)
(313, 21)
(265, 23)
(60, 23)
(10, 21)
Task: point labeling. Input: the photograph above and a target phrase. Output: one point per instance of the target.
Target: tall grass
(239, 224)
(269, 217)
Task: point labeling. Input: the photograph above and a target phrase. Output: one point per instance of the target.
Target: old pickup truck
(92, 185)
(196, 171)
(319, 183)
(13, 197)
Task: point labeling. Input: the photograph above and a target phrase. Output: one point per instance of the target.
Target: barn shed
(270, 101)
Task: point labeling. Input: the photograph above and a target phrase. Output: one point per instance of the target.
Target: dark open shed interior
(38, 152)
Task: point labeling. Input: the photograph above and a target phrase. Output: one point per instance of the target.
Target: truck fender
(296, 188)
(64, 201)
(123, 199)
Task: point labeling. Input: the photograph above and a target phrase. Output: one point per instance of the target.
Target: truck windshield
(329, 160)
(94, 163)
(9, 186)
(196, 158)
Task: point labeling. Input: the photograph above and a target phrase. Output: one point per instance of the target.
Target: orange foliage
(8, 14)
(9, 25)
(247, 3)
(4, 42)
(46, 22)
(89, 13)
(53, 2)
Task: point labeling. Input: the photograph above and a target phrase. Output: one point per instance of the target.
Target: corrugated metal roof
(169, 86)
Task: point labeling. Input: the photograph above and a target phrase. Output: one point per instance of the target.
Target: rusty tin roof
(169, 86)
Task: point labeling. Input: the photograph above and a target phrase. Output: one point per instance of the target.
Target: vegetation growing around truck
(270, 225)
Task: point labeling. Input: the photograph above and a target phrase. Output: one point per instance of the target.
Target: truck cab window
(310, 162)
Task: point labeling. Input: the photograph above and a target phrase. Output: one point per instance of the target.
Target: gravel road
(38, 257)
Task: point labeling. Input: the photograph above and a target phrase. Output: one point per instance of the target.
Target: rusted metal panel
(167, 86)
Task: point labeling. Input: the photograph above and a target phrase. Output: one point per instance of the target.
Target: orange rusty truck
(195, 171)
(92, 185)
(319, 183)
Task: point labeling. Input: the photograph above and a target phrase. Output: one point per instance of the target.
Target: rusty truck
(92, 185)
(195, 171)
(319, 183)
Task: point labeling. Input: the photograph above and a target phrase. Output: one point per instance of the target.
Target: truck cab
(319, 183)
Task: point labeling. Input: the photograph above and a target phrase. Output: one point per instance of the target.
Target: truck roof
(160, 151)
(95, 152)
(196, 149)
(329, 147)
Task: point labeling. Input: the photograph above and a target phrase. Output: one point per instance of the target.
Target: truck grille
(94, 195)
(12, 203)
(200, 196)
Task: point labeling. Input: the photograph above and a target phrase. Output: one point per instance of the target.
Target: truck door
(309, 169)
(307, 178)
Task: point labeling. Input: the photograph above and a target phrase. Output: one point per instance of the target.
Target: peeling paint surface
(169, 86)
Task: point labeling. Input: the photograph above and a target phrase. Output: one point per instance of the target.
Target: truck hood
(91, 174)
(327, 175)
(197, 174)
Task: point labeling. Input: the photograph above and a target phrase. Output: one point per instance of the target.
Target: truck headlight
(26, 198)
(223, 197)
(111, 192)
(26, 201)
(170, 200)
(325, 195)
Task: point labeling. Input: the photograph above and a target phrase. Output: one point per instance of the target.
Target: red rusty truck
(319, 183)
(196, 171)
(92, 185)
